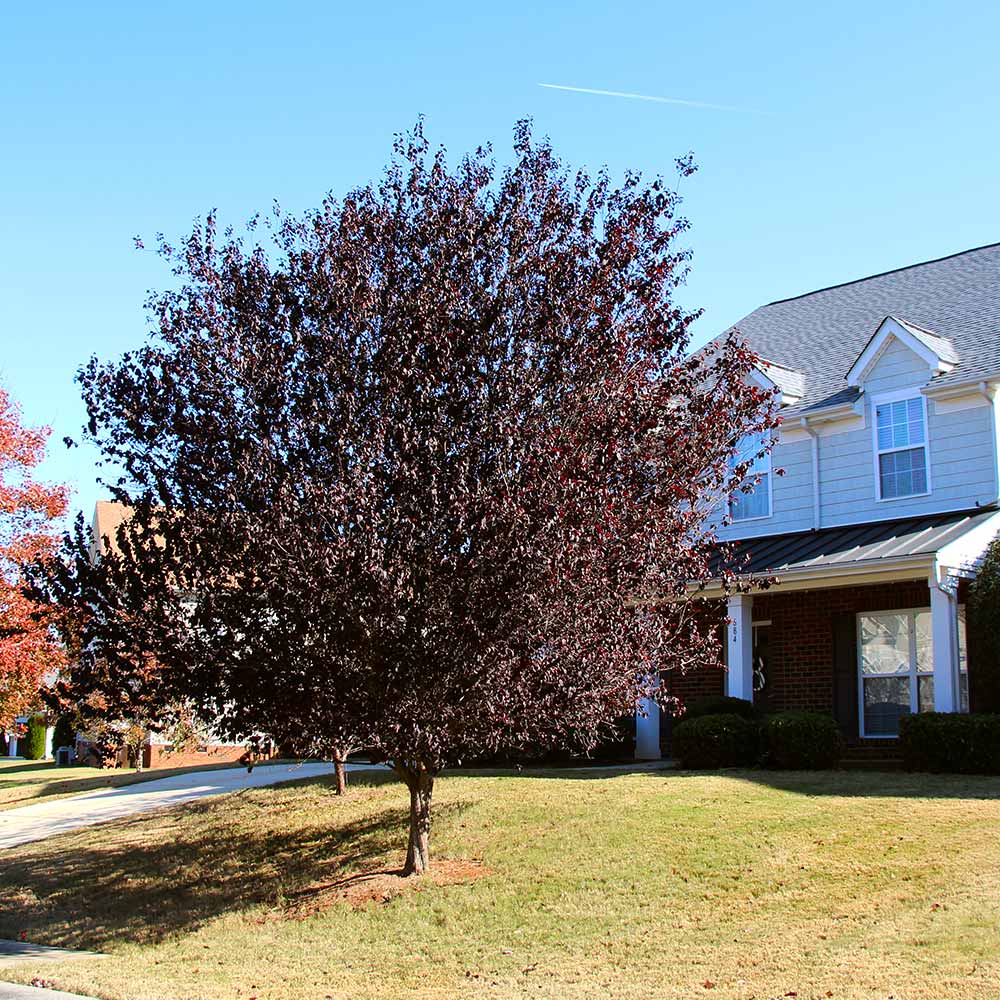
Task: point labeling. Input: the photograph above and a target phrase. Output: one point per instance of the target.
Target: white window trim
(912, 672)
(896, 397)
(769, 472)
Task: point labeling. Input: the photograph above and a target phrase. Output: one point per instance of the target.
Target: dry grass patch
(846, 885)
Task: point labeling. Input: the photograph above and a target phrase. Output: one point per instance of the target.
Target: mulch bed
(378, 886)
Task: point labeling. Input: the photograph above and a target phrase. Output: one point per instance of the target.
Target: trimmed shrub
(712, 741)
(953, 743)
(801, 741)
(34, 741)
(720, 704)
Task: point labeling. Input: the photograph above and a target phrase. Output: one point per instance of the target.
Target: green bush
(801, 741)
(712, 741)
(34, 741)
(943, 741)
(720, 704)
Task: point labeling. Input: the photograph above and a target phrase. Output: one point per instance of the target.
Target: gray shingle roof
(941, 346)
(822, 333)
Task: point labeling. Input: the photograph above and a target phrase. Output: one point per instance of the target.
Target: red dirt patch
(378, 886)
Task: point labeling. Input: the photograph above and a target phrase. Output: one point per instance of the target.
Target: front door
(762, 691)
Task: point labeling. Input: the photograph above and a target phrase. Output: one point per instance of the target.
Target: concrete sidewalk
(13, 991)
(12, 952)
(46, 819)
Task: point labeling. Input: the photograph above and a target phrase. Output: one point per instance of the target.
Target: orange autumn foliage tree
(29, 648)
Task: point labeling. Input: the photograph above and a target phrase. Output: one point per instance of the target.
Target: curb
(14, 991)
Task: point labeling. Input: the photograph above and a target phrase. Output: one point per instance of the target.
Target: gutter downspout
(814, 442)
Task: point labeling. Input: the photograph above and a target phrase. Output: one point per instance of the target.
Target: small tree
(29, 645)
(34, 743)
(430, 475)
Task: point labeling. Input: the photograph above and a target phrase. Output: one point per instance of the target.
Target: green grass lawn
(24, 782)
(630, 886)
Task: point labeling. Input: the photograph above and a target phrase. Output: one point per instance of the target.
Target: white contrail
(657, 100)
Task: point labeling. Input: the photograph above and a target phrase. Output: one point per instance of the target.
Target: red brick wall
(159, 756)
(694, 684)
(801, 641)
(801, 635)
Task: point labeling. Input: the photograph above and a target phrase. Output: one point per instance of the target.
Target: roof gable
(820, 334)
(936, 352)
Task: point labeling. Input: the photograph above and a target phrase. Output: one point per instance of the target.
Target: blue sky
(880, 147)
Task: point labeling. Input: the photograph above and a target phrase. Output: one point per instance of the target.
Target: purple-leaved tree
(424, 472)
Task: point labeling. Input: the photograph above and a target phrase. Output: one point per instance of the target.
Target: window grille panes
(887, 700)
(902, 473)
(896, 659)
(885, 644)
(925, 642)
(754, 504)
(925, 694)
(902, 467)
(758, 503)
(900, 424)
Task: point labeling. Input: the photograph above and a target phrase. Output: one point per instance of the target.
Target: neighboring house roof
(952, 305)
(857, 544)
(107, 516)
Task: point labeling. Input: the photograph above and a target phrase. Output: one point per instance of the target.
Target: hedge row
(953, 743)
(788, 740)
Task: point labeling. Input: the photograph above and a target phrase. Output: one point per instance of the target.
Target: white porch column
(944, 637)
(739, 647)
(49, 733)
(647, 730)
(11, 745)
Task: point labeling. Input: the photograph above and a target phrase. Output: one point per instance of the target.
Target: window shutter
(845, 674)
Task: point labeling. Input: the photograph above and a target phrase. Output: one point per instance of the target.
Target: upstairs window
(747, 506)
(901, 448)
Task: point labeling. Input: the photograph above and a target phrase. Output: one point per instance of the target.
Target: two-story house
(888, 499)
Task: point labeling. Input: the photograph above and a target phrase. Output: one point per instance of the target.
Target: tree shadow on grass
(39, 767)
(862, 783)
(855, 783)
(144, 879)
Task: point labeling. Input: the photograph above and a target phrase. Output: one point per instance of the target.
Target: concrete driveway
(45, 819)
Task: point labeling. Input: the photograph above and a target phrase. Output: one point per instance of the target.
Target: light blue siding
(791, 497)
(897, 368)
(963, 462)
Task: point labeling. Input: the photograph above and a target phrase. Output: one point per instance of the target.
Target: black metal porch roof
(853, 543)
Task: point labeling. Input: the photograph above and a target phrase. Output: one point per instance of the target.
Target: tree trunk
(338, 764)
(421, 785)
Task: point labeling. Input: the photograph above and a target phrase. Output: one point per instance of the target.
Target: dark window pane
(902, 473)
(887, 700)
(925, 694)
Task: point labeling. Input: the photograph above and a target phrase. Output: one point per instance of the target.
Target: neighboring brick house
(887, 389)
(158, 751)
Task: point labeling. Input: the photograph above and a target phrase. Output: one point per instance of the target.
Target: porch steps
(872, 758)
(869, 763)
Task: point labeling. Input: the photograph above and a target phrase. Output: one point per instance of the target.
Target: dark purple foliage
(429, 473)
